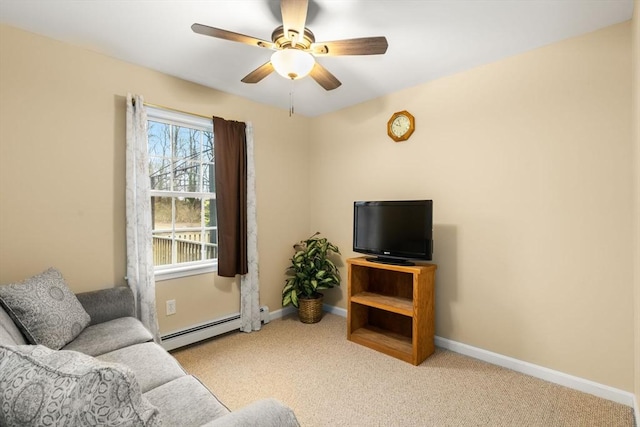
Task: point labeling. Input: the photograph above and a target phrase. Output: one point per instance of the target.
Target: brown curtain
(230, 151)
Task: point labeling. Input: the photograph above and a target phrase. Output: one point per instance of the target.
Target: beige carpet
(329, 381)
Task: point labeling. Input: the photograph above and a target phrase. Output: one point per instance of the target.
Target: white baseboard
(284, 311)
(334, 310)
(556, 377)
(637, 410)
(206, 330)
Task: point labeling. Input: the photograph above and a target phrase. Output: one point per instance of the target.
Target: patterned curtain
(250, 285)
(237, 228)
(140, 274)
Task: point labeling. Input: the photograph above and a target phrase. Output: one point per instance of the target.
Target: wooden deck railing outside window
(188, 248)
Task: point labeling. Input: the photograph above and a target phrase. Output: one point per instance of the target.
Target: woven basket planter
(310, 309)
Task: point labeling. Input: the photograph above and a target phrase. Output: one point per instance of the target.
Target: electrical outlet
(171, 307)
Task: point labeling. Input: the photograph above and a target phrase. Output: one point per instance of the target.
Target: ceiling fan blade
(294, 17)
(324, 77)
(360, 46)
(259, 73)
(230, 35)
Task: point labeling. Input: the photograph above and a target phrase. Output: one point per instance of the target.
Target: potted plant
(310, 271)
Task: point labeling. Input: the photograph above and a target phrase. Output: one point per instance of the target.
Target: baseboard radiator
(207, 330)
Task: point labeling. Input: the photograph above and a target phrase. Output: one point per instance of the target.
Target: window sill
(184, 271)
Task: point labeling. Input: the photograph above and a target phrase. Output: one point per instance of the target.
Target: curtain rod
(162, 107)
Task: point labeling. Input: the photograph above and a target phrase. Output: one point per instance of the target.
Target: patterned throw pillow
(40, 386)
(44, 309)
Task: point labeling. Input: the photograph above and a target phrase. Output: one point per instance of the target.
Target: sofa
(90, 361)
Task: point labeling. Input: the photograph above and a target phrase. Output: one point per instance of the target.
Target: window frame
(185, 120)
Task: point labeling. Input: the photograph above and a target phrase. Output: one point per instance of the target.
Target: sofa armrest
(108, 304)
(262, 413)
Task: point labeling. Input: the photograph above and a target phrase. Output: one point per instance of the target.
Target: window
(183, 199)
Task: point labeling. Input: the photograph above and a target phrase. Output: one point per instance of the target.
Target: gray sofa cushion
(40, 386)
(150, 363)
(108, 304)
(109, 336)
(186, 402)
(9, 332)
(262, 413)
(44, 309)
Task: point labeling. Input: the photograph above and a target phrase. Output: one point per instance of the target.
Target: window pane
(207, 147)
(188, 212)
(208, 178)
(187, 143)
(159, 135)
(161, 220)
(211, 229)
(189, 246)
(188, 215)
(161, 216)
(160, 173)
(162, 248)
(211, 243)
(210, 214)
(211, 251)
(188, 251)
(186, 176)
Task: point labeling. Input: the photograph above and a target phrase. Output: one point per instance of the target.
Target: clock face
(400, 125)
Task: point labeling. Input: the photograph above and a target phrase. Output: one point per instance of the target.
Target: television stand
(390, 308)
(392, 261)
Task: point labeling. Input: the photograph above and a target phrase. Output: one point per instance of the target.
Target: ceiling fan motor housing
(283, 41)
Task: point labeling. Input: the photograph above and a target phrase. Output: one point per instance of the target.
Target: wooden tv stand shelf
(390, 308)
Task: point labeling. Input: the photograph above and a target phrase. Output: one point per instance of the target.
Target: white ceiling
(427, 39)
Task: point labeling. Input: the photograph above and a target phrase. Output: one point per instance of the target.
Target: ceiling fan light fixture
(292, 63)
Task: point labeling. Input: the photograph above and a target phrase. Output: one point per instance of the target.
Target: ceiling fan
(296, 48)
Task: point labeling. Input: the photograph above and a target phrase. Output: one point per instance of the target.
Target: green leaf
(307, 288)
(314, 283)
(294, 298)
(286, 299)
(288, 286)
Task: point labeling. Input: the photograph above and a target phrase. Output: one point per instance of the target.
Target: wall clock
(400, 126)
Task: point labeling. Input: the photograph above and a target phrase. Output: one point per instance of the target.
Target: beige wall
(636, 212)
(527, 161)
(62, 139)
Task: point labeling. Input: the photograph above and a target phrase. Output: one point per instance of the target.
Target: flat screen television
(395, 231)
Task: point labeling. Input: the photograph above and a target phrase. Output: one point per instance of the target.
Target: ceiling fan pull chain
(291, 99)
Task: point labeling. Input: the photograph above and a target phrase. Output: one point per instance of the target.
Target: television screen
(394, 231)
